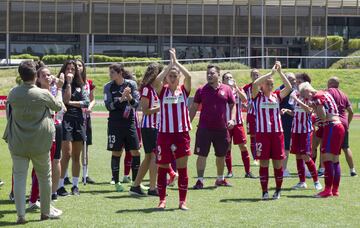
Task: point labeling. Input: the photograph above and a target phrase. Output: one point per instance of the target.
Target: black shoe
(88, 180)
(136, 191)
(62, 192)
(67, 181)
(75, 191)
(277, 194)
(12, 197)
(250, 175)
(265, 196)
(353, 174)
(54, 197)
(153, 192)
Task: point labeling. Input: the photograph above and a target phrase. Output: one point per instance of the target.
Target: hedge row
(354, 44)
(335, 43)
(351, 63)
(223, 65)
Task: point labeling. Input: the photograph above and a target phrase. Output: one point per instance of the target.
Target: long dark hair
(150, 75)
(83, 74)
(77, 81)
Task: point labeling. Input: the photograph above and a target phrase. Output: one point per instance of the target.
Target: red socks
(337, 175)
(127, 163)
(183, 184)
(161, 182)
(301, 169)
(312, 169)
(264, 178)
(246, 160)
(228, 161)
(34, 188)
(329, 175)
(278, 173)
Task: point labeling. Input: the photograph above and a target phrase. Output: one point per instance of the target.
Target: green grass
(99, 206)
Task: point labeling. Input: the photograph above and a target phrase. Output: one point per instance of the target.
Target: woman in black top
(75, 98)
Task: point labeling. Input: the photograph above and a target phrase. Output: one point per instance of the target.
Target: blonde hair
(306, 86)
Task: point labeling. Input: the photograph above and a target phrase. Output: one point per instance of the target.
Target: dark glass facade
(198, 28)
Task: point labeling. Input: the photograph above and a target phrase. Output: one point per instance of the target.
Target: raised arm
(255, 89)
(183, 70)
(241, 94)
(287, 89)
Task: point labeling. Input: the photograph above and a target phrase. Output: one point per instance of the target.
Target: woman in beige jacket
(29, 133)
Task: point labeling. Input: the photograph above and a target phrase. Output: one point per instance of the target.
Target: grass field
(100, 206)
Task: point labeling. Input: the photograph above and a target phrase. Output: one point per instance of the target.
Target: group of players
(163, 129)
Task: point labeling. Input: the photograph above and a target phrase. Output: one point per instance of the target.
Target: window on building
(132, 18)
(148, 18)
(116, 17)
(100, 17)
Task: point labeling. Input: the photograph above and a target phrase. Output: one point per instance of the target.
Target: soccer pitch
(100, 206)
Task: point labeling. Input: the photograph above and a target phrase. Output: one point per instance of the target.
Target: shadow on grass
(5, 223)
(125, 197)
(100, 183)
(95, 192)
(301, 197)
(146, 210)
(205, 188)
(240, 200)
(2, 202)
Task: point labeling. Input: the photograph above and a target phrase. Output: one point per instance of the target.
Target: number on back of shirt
(112, 138)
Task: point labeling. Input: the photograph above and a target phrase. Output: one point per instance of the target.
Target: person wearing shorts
(269, 131)
(287, 120)
(121, 99)
(75, 98)
(213, 127)
(344, 105)
(301, 139)
(332, 138)
(237, 134)
(250, 116)
(90, 90)
(173, 140)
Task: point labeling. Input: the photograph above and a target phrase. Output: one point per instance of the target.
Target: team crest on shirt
(173, 148)
(78, 89)
(222, 93)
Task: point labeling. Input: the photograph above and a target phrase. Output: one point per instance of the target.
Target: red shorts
(301, 143)
(270, 146)
(319, 132)
(52, 151)
(251, 124)
(333, 138)
(171, 146)
(237, 134)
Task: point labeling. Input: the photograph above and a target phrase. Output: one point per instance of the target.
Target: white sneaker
(300, 185)
(55, 213)
(256, 162)
(34, 206)
(112, 182)
(265, 196)
(317, 186)
(286, 173)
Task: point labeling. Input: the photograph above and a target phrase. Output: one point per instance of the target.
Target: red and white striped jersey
(324, 98)
(238, 107)
(302, 122)
(267, 109)
(150, 121)
(248, 90)
(174, 113)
